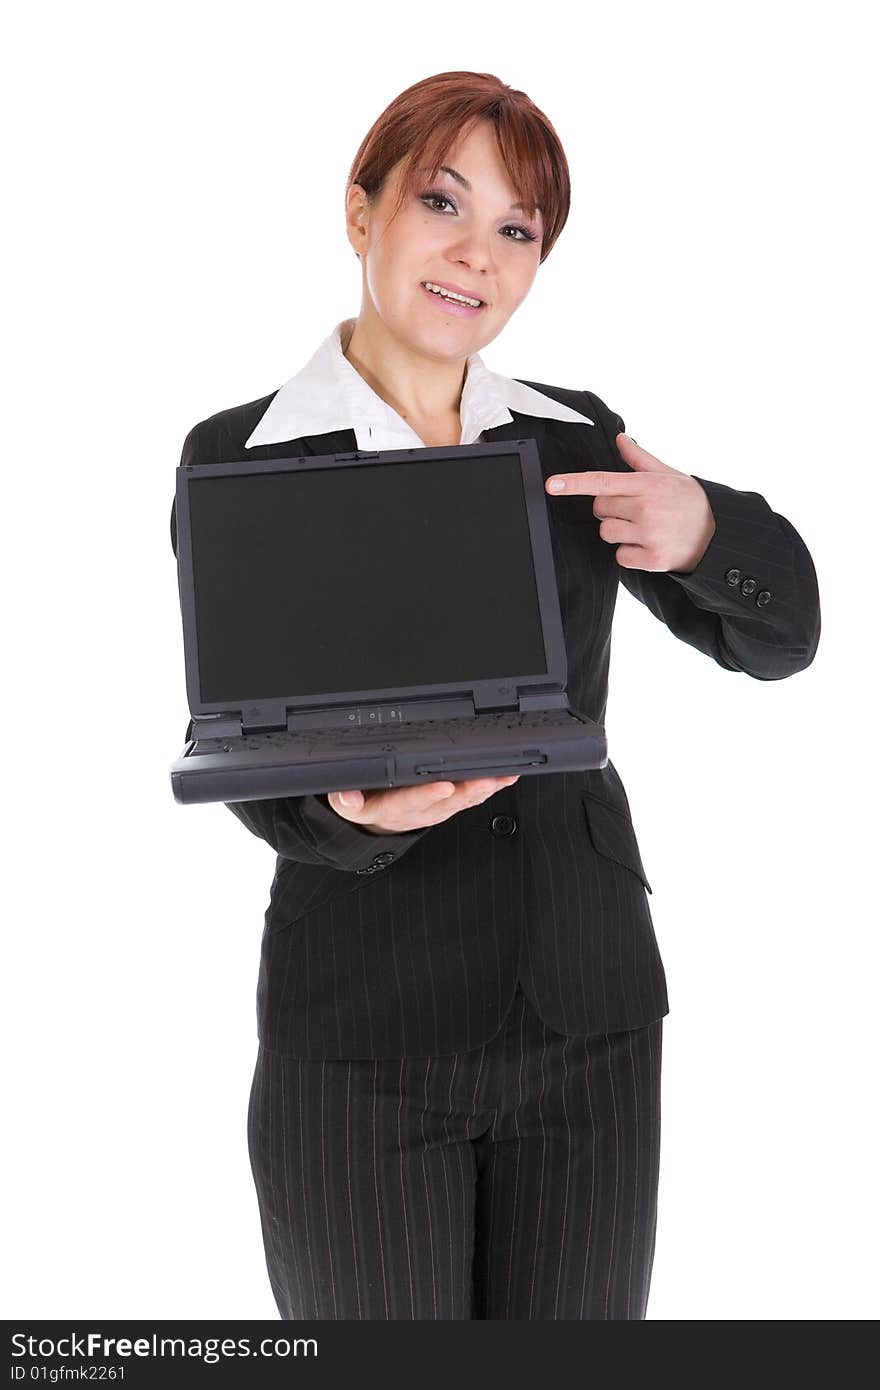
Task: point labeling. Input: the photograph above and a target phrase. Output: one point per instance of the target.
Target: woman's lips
(451, 306)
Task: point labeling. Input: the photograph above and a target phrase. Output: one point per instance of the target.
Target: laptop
(371, 620)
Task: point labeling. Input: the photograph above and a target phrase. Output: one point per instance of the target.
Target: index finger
(594, 483)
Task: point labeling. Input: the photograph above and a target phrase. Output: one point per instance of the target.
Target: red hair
(427, 119)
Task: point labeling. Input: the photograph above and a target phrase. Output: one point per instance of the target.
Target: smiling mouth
(451, 298)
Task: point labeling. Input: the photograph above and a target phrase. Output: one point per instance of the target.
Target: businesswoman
(455, 1110)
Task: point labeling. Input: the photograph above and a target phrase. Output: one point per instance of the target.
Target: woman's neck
(424, 392)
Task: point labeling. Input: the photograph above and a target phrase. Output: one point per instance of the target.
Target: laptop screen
(319, 581)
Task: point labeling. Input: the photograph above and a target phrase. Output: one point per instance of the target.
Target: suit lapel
(521, 427)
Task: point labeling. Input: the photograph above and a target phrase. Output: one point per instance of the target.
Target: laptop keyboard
(390, 736)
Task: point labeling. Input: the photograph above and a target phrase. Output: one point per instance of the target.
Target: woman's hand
(400, 809)
(659, 519)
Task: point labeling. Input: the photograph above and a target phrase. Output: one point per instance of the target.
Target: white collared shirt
(328, 394)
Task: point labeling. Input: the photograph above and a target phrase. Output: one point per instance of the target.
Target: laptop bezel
(500, 692)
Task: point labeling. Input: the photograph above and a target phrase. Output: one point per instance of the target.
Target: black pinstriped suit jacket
(411, 945)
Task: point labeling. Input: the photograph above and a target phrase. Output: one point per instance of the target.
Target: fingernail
(346, 798)
(556, 485)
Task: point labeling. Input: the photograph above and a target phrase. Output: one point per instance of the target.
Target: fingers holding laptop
(402, 809)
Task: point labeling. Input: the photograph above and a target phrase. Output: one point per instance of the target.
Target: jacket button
(763, 598)
(384, 858)
(748, 586)
(503, 825)
(733, 576)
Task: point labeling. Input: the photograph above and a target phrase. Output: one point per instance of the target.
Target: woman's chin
(448, 338)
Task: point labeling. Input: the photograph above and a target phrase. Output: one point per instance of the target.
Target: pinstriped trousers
(515, 1181)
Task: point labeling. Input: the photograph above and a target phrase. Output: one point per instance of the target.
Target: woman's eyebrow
(460, 178)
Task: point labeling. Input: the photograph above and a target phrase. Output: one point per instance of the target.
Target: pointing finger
(594, 484)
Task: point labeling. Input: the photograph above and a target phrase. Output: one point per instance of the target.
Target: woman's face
(467, 237)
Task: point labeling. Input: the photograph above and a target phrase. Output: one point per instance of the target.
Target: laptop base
(254, 767)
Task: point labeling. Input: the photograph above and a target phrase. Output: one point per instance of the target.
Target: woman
(455, 1111)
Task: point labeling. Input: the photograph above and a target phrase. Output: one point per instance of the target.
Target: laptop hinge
(543, 699)
(490, 698)
(216, 726)
(262, 719)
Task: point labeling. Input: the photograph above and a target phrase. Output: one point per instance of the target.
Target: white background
(176, 246)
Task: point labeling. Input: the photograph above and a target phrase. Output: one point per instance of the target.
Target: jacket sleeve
(304, 828)
(754, 552)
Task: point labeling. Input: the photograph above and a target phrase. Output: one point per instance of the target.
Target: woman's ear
(357, 218)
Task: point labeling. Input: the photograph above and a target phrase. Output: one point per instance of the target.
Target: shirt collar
(328, 394)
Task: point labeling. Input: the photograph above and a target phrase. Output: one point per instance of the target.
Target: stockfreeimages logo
(91, 1346)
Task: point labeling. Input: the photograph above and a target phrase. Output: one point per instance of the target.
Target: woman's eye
(429, 198)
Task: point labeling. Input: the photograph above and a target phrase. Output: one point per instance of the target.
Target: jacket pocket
(612, 834)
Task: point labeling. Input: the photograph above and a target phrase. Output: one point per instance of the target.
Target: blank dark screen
(370, 577)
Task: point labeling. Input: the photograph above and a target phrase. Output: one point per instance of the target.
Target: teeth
(449, 294)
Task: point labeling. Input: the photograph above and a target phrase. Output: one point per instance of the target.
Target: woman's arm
(306, 828)
(706, 606)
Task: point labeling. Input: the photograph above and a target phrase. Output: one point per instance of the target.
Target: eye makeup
(441, 195)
